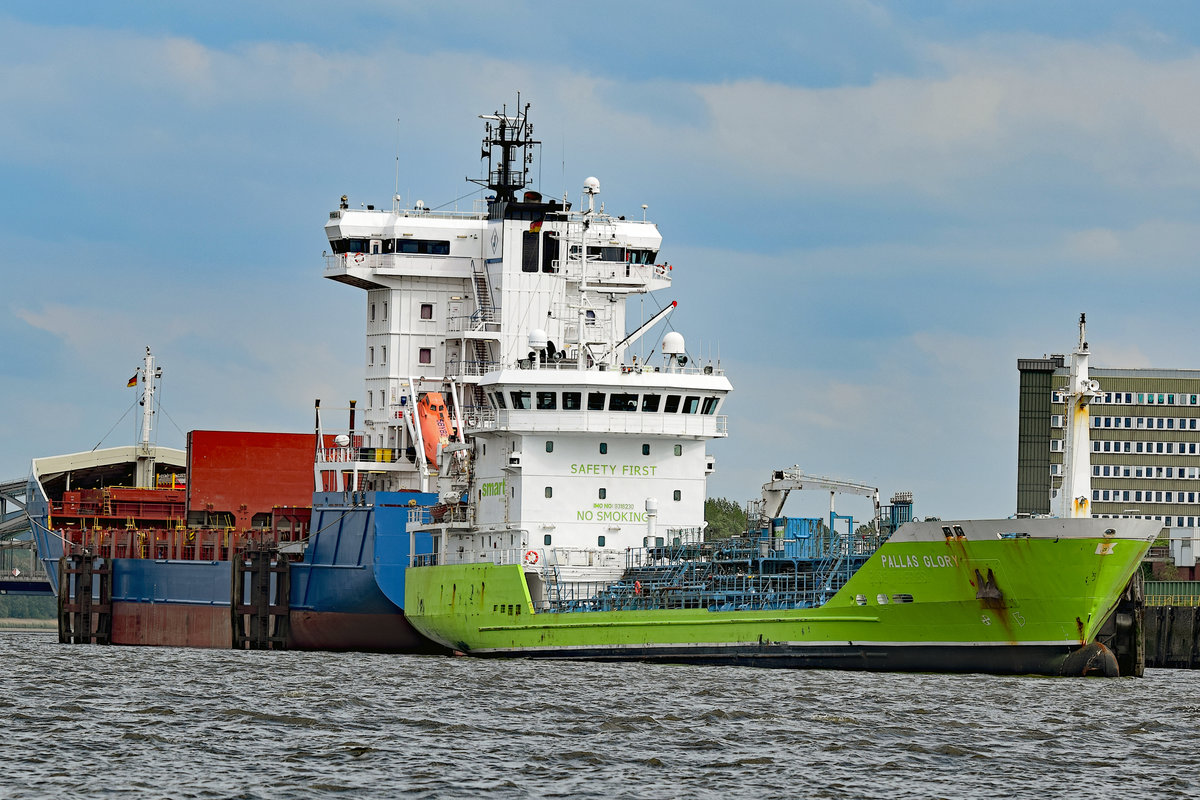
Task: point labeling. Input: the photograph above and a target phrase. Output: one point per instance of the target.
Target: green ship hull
(1009, 596)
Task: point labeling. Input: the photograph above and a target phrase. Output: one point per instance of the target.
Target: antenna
(507, 146)
(396, 193)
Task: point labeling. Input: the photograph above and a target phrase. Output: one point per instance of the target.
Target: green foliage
(17, 606)
(725, 518)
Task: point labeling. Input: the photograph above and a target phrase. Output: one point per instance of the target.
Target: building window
(678, 495)
(426, 310)
(549, 446)
(425, 355)
(603, 448)
(603, 493)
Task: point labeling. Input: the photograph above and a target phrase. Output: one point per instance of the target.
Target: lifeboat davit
(435, 423)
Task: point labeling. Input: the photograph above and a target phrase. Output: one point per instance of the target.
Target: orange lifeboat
(435, 423)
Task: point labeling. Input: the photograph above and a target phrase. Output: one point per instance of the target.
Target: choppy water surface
(84, 721)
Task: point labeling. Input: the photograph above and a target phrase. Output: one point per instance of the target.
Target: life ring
(358, 259)
(531, 557)
(637, 587)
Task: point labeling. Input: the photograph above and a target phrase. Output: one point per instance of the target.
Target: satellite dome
(673, 343)
(538, 339)
(591, 185)
(341, 440)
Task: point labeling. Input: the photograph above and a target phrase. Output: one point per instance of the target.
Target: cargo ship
(571, 476)
(144, 545)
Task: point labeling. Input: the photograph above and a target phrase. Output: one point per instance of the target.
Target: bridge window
(520, 400)
(424, 247)
(672, 404)
(650, 402)
(350, 245)
(571, 401)
(498, 398)
(618, 401)
(547, 401)
(710, 405)
(595, 401)
(691, 405)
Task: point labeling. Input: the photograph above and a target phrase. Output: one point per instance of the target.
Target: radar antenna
(508, 146)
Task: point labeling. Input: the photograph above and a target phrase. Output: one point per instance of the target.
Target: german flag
(133, 380)
(536, 225)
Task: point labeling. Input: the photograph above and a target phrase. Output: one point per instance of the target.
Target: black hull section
(1059, 660)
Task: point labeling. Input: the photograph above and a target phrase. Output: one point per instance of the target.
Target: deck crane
(784, 481)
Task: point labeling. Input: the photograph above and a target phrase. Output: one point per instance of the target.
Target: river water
(88, 721)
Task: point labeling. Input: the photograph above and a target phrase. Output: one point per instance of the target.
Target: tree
(725, 518)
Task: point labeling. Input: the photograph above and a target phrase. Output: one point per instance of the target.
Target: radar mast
(508, 146)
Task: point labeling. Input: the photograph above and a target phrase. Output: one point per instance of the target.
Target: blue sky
(873, 209)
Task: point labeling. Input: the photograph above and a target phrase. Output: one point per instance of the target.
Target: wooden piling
(259, 605)
(84, 599)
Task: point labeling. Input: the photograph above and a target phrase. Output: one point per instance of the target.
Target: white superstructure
(563, 449)
(1076, 493)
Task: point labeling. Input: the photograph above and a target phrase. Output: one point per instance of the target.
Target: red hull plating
(171, 625)
(180, 625)
(392, 633)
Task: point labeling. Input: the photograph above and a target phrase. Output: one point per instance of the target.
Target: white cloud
(987, 105)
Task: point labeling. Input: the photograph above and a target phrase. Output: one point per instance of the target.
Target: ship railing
(646, 591)
(473, 368)
(651, 423)
(349, 455)
(477, 321)
(619, 272)
(335, 262)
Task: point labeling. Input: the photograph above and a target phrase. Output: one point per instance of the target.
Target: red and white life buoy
(531, 557)
(358, 259)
